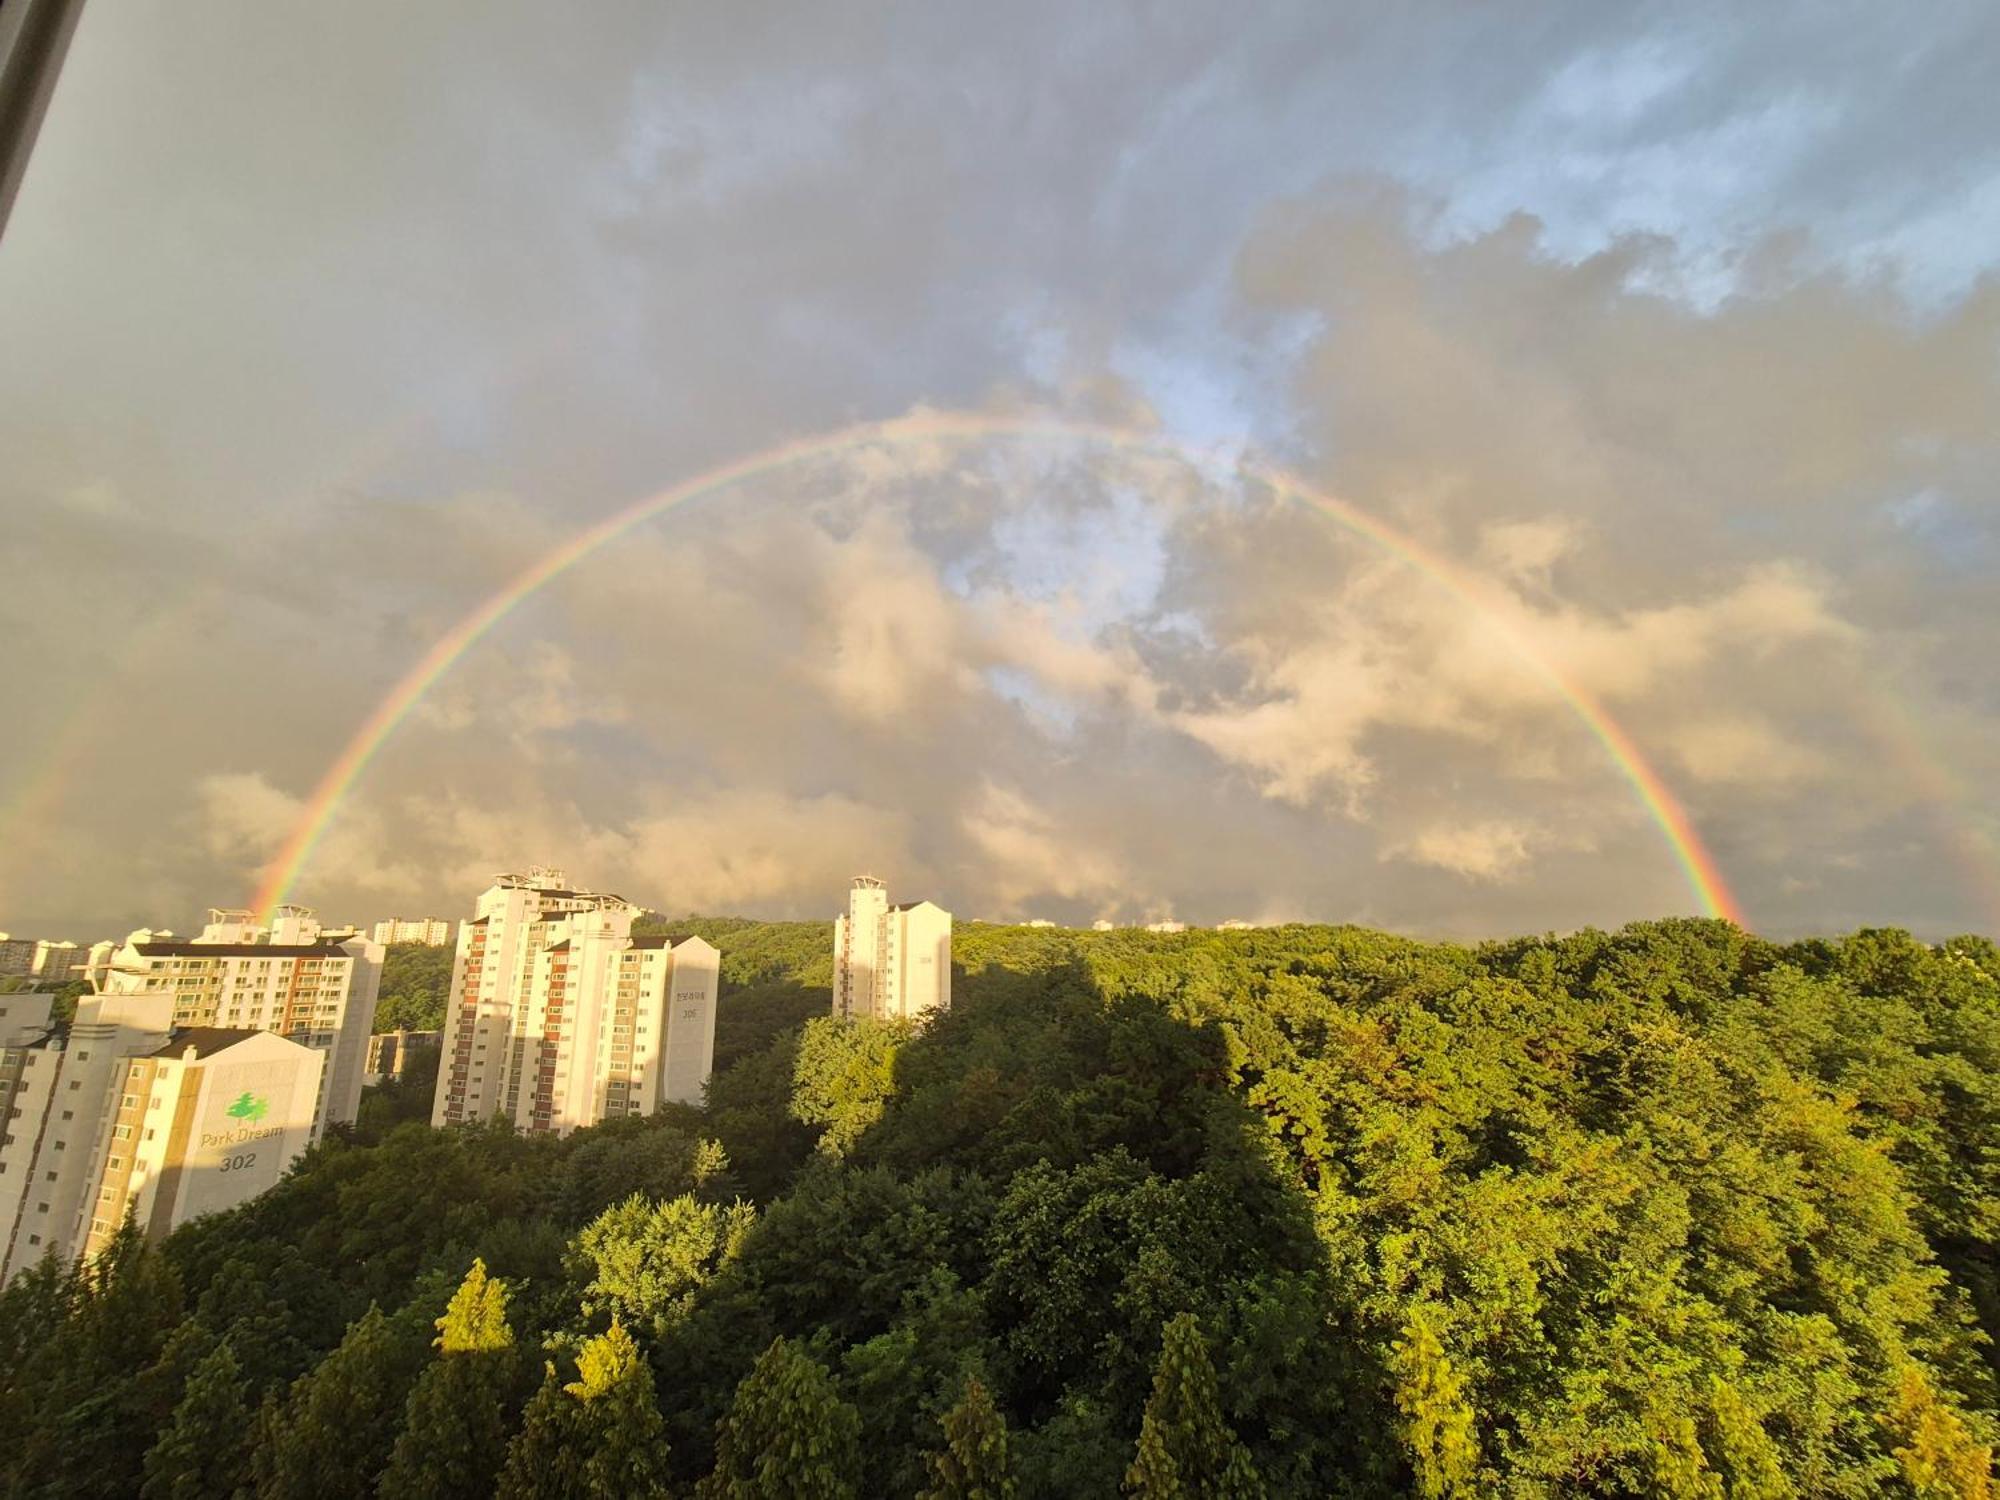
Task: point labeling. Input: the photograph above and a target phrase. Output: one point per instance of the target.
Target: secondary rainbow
(1705, 880)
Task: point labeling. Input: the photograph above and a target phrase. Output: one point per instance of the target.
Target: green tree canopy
(973, 1463)
(1185, 1446)
(454, 1435)
(787, 1435)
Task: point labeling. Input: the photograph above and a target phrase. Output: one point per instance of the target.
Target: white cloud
(1026, 853)
(1489, 850)
(243, 820)
(1742, 750)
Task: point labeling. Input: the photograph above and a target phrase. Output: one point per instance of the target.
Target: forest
(1292, 1211)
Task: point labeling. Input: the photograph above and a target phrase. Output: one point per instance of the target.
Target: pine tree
(973, 1464)
(337, 1428)
(127, 1306)
(622, 1434)
(454, 1434)
(600, 1437)
(545, 1460)
(787, 1435)
(1185, 1447)
(1437, 1419)
(202, 1454)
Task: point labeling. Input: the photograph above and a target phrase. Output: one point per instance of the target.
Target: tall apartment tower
(560, 1017)
(890, 963)
(121, 1112)
(287, 976)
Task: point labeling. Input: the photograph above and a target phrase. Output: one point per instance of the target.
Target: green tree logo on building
(248, 1108)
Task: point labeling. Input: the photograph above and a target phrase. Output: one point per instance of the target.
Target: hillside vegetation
(1300, 1211)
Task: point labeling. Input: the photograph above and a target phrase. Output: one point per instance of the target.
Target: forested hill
(1298, 1211)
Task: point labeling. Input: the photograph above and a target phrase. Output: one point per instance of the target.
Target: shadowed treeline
(1289, 1211)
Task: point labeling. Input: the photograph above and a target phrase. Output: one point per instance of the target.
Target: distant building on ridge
(17, 956)
(432, 932)
(390, 1053)
(560, 1017)
(890, 963)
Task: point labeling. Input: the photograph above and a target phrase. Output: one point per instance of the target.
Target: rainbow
(1705, 880)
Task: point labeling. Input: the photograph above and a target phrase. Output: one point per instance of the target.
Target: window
(69, 1114)
(75, 1084)
(121, 1132)
(129, 1101)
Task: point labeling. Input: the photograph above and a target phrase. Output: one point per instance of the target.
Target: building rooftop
(326, 948)
(206, 1041)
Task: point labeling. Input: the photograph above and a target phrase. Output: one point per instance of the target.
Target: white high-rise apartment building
(318, 989)
(890, 963)
(560, 1017)
(432, 932)
(122, 1112)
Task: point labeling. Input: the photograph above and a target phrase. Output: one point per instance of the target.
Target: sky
(1673, 332)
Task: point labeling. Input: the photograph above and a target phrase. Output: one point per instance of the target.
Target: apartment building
(560, 1017)
(315, 987)
(890, 963)
(120, 1113)
(432, 932)
(391, 1053)
(56, 962)
(17, 956)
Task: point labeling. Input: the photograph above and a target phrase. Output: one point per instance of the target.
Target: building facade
(57, 962)
(390, 1053)
(17, 956)
(432, 932)
(560, 1017)
(890, 963)
(122, 1113)
(288, 976)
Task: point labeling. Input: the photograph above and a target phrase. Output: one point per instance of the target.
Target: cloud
(1492, 850)
(1659, 362)
(1742, 750)
(892, 631)
(758, 849)
(243, 820)
(1023, 852)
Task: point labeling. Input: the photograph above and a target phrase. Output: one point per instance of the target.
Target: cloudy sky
(1674, 332)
